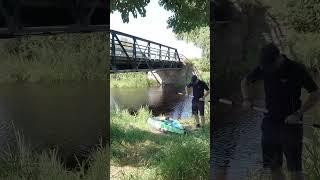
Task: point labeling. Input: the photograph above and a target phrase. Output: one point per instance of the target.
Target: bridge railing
(137, 50)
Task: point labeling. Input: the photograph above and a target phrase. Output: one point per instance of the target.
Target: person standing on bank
(282, 129)
(200, 91)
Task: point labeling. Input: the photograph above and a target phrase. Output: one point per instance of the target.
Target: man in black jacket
(200, 92)
(282, 130)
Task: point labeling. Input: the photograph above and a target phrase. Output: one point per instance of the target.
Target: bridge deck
(141, 64)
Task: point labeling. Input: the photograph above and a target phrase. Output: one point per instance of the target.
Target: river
(161, 100)
(68, 116)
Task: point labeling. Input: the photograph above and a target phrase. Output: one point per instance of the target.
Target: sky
(154, 27)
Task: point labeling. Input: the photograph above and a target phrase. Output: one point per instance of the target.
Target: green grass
(132, 80)
(21, 163)
(56, 58)
(137, 152)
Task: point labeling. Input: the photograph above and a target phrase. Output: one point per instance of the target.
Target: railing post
(149, 56)
(134, 54)
(113, 51)
(177, 55)
(160, 53)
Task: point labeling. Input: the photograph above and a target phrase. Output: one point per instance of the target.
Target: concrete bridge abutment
(172, 76)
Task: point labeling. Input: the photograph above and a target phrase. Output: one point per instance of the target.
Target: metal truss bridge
(132, 54)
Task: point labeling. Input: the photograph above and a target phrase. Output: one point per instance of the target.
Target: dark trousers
(279, 139)
(197, 106)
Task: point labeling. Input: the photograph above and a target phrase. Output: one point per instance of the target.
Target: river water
(161, 100)
(68, 116)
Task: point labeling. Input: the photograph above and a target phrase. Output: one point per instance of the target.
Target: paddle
(226, 101)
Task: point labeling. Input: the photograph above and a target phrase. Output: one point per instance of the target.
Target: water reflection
(161, 100)
(71, 117)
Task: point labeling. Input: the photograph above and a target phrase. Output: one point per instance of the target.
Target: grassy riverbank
(54, 58)
(22, 163)
(131, 80)
(137, 152)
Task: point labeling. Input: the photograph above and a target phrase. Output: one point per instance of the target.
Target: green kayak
(166, 125)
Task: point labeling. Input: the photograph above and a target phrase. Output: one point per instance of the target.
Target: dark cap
(194, 78)
(268, 54)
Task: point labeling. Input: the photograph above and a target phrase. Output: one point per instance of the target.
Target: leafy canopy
(187, 14)
(125, 7)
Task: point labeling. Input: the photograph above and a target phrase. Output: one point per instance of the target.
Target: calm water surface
(70, 117)
(161, 100)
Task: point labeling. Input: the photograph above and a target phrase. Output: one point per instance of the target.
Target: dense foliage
(304, 16)
(125, 7)
(188, 14)
(302, 21)
(200, 37)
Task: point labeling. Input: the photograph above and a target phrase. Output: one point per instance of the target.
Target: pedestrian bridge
(133, 54)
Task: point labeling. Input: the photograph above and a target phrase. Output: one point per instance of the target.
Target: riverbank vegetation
(200, 37)
(131, 80)
(20, 162)
(66, 57)
(297, 27)
(138, 152)
(301, 25)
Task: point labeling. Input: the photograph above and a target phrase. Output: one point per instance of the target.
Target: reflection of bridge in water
(131, 54)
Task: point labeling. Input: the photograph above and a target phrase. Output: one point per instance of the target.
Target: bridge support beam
(170, 76)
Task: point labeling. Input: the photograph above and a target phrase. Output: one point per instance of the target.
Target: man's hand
(294, 118)
(246, 104)
(201, 99)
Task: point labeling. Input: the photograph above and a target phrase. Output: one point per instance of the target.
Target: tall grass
(137, 152)
(54, 58)
(19, 162)
(132, 80)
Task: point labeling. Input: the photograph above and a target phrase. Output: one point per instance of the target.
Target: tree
(188, 14)
(301, 15)
(200, 36)
(304, 16)
(125, 7)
